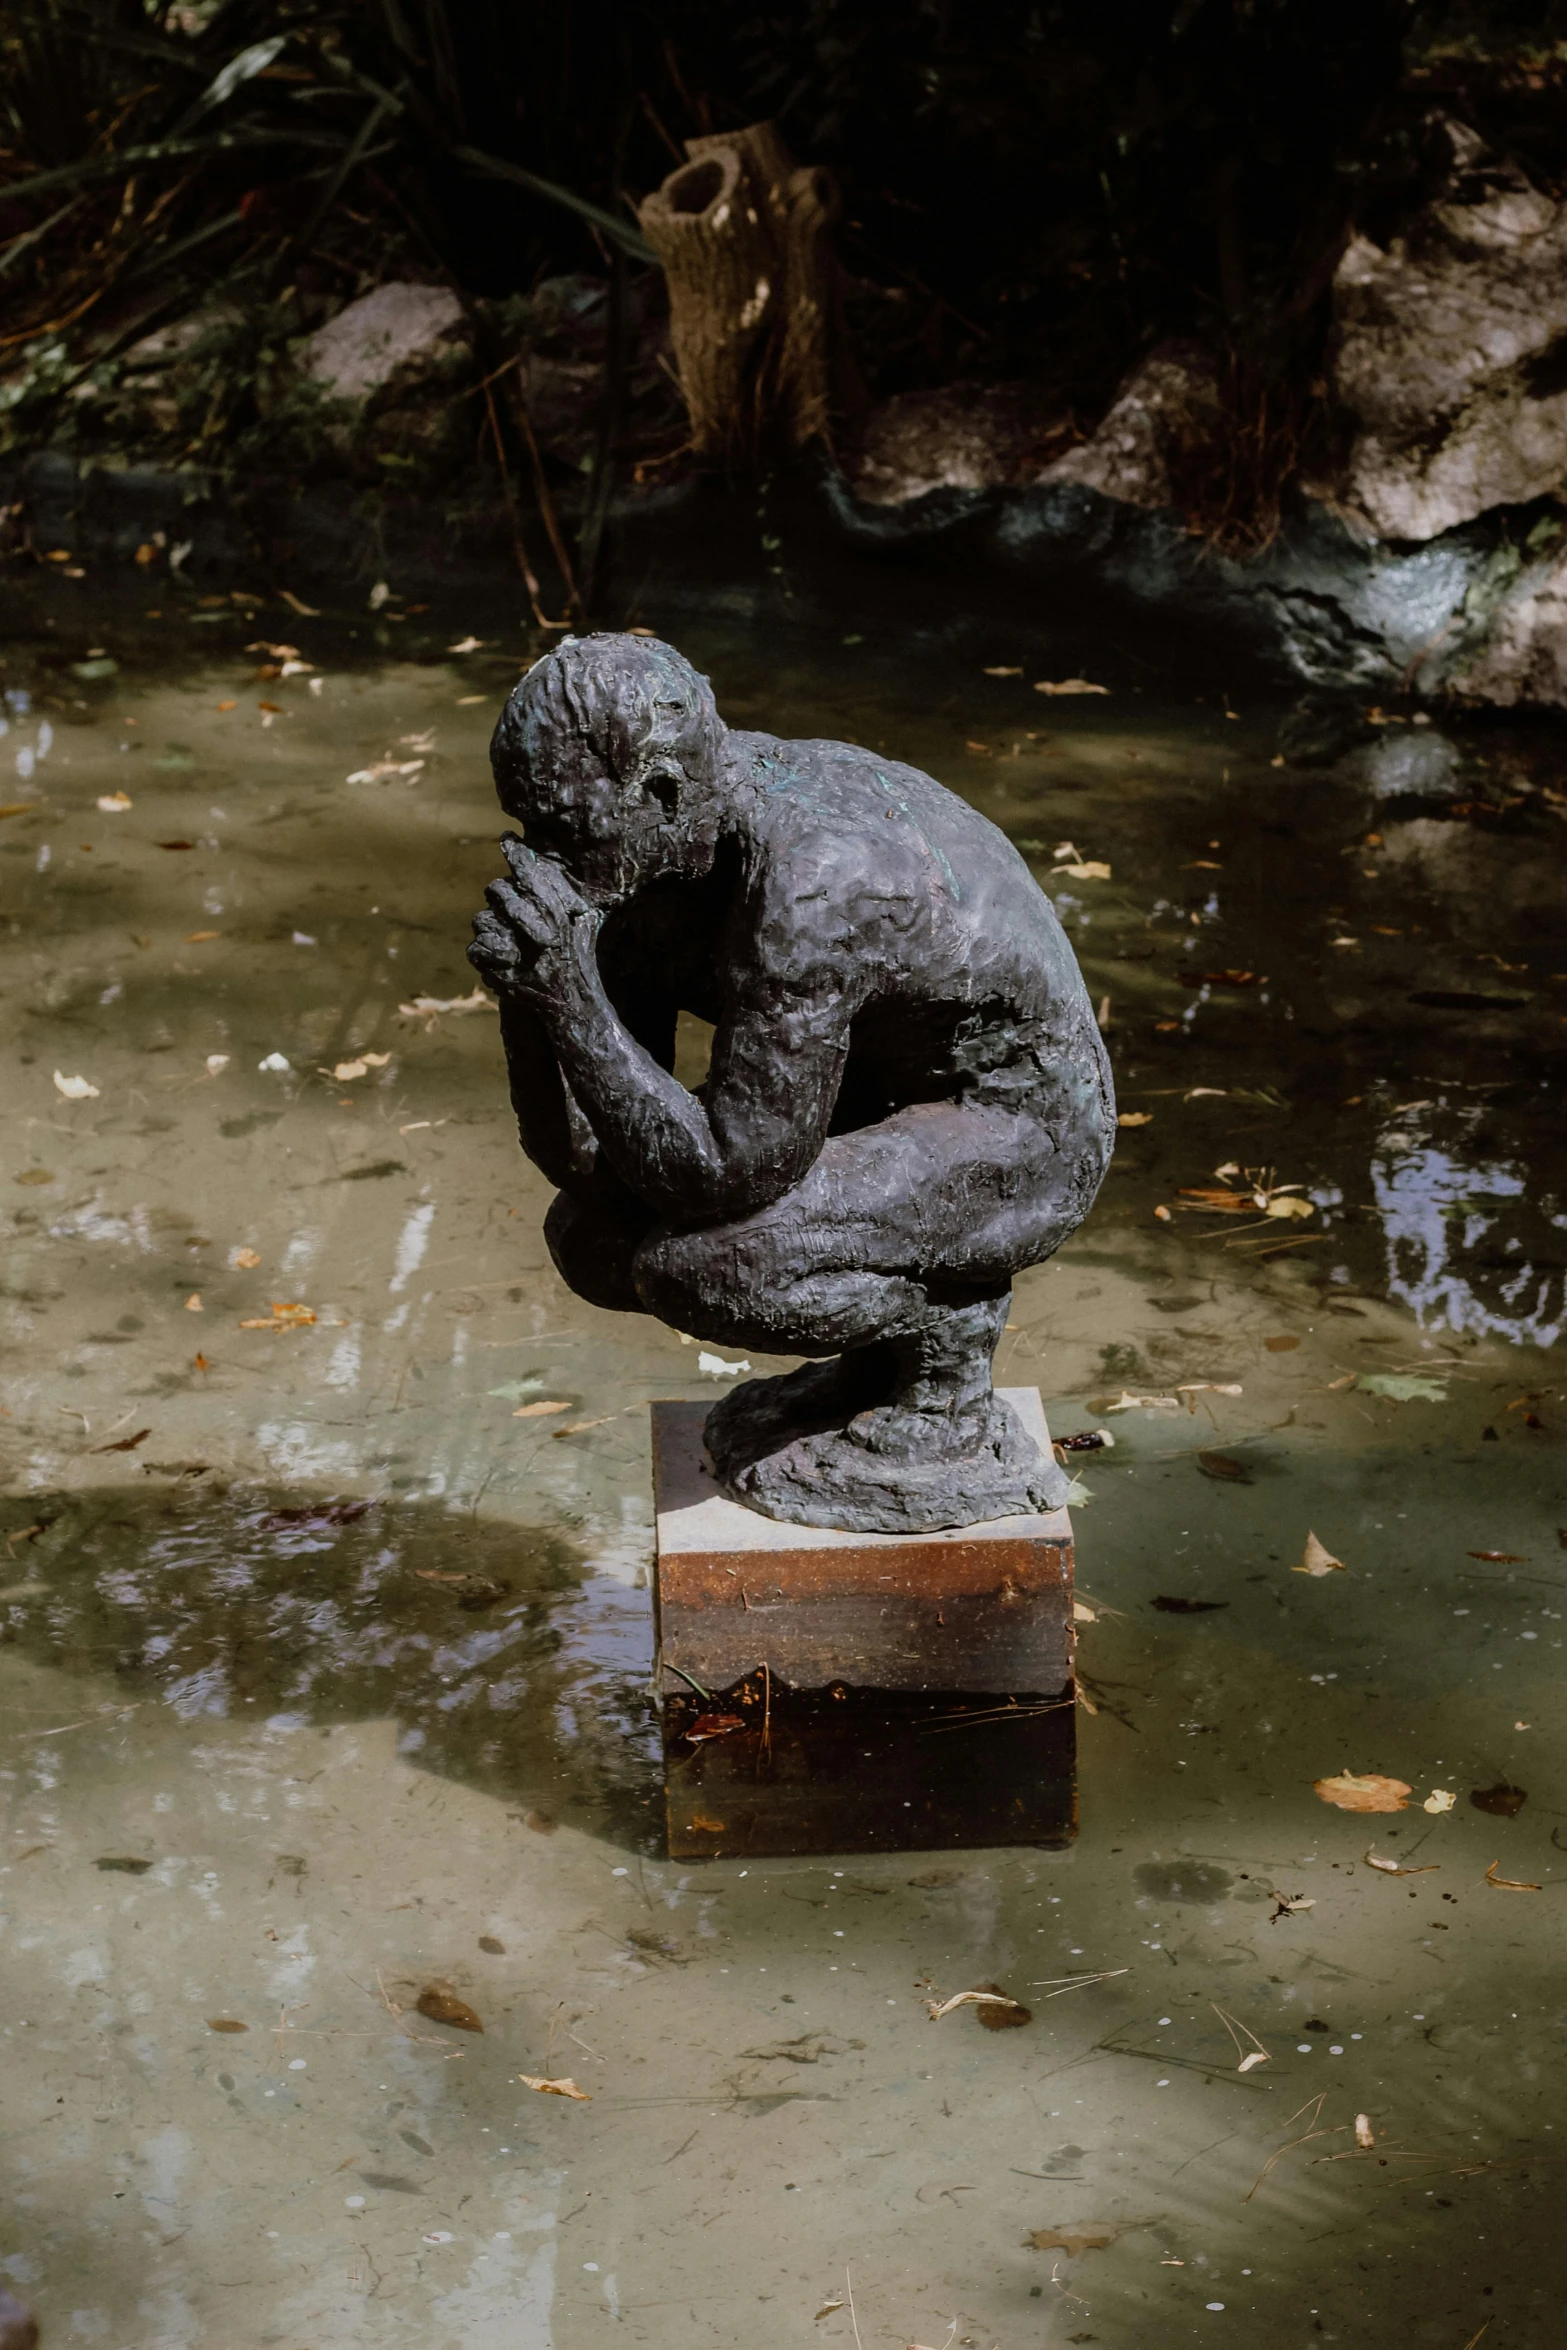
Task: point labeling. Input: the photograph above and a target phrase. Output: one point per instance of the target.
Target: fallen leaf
(714, 1726)
(1290, 1905)
(1319, 1560)
(1135, 1118)
(828, 2307)
(1502, 1558)
(193, 1304)
(1220, 1465)
(1083, 1614)
(468, 644)
(1127, 1402)
(305, 611)
(581, 1427)
(381, 770)
(986, 1995)
(75, 1089)
(1170, 1605)
(1092, 870)
(1364, 2134)
(1085, 2236)
(704, 1826)
(429, 1007)
(1163, 1214)
(980, 750)
(1257, 2056)
(713, 1366)
(1501, 1801)
(1393, 1868)
(566, 2087)
(34, 1175)
(1367, 1792)
(17, 807)
(225, 2023)
(1401, 1387)
(228, 705)
(200, 1363)
(1281, 1345)
(1003, 672)
(1068, 685)
(201, 938)
(539, 1411)
(244, 1260)
(282, 1317)
(125, 1862)
(126, 1443)
(1439, 1800)
(273, 709)
(114, 803)
(489, 1943)
(444, 2007)
(1502, 1884)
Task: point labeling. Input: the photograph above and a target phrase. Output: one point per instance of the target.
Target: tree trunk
(745, 237)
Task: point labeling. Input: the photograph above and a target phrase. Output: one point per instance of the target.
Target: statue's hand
(536, 932)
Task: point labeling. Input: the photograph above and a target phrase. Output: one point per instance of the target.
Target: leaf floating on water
(1401, 1387)
(985, 1995)
(75, 1089)
(1502, 1558)
(1394, 1868)
(1127, 1402)
(430, 1007)
(444, 2007)
(225, 2023)
(1092, 870)
(1366, 1791)
(1084, 2236)
(1220, 1465)
(1257, 2056)
(1319, 1560)
(123, 1861)
(1439, 1800)
(1364, 2134)
(1068, 685)
(565, 2087)
(1135, 1118)
(1501, 1801)
(282, 1317)
(1282, 1345)
(1511, 1884)
(1005, 2018)
(714, 1726)
(540, 1410)
(126, 1443)
(1288, 1203)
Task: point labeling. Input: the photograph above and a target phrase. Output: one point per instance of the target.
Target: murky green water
(361, 1750)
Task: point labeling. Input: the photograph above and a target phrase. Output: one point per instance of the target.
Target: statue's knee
(593, 1253)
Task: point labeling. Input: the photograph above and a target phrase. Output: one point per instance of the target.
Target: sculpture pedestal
(826, 1691)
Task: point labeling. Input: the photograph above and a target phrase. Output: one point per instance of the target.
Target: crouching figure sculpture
(907, 1102)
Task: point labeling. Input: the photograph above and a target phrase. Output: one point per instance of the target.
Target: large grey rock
(1520, 652)
(398, 329)
(1450, 353)
(1166, 411)
(962, 436)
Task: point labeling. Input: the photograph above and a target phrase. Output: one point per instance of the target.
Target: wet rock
(1451, 352)
(964, 436)
(1520, 654)
(1167, 411)
(1405, 763)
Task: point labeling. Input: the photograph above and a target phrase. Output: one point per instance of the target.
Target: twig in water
(937, 2008)
(853, 2320)
(1305, 2139)
(1256, 2054)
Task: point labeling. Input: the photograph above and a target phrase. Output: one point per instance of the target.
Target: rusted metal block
(982, 1609)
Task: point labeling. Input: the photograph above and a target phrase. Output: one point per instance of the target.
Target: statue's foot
(898, 1439)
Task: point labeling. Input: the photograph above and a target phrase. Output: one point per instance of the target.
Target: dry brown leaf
(1367, 1791)
(1086, 2235)
(538, 1411)
(1393, 1868)
(1439, 1800)
(282, 1317)
(1319, 1560)
(565, 2087)
(444, 2007)
(244, 1260)
(1510, 1884)
(225, 2023)
(1282, 1345)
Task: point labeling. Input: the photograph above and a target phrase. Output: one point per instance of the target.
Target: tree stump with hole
(745, 236)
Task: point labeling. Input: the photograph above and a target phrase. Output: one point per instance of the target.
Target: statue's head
(608, 754)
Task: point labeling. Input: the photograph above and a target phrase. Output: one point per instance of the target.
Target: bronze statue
(908, 1098)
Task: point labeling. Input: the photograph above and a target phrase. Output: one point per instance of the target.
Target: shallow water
(354, 1751)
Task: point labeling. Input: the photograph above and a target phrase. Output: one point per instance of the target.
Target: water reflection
(1467, 1246)
(503, 1667)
